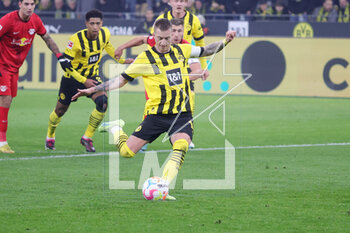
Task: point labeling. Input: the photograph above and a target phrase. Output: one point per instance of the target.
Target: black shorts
(154, 125)
(69, 87)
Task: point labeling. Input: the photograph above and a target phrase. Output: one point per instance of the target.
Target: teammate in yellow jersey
(164, 71)
(84, 53)
(177, 31)
(192, 26)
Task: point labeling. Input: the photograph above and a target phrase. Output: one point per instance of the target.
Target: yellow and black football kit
(85, 56)
(166, 80)
(167, 84)
(192, 30)
(165, 77)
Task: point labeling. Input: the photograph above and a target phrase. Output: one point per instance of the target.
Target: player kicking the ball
(177, 33)
(165, 75)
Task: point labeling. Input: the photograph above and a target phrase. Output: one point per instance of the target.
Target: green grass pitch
(278, 189)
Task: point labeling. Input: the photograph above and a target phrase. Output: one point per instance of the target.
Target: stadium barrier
(280, 66)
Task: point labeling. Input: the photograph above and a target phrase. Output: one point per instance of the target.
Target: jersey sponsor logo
(3, 88)
(94, 58)
(70, 44)
(31, 31)
(22, 42)
(174, 77)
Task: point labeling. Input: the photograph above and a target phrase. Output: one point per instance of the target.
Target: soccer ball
(155, 189)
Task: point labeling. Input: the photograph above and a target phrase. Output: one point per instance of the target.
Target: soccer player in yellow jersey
(164, 71)
(192, 26)
(177, 32)
(84, 51)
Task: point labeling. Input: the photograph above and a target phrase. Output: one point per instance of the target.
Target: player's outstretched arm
(218, 46)
(51, 44)
(112, 84)
(64, 62)
(137, 41)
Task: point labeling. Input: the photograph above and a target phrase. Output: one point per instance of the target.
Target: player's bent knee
(61, 111)
(101, 103)
(181, 144)
(126, 152)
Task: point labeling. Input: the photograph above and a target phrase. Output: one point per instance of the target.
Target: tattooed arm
(111, 84)
(212, 48)
(51, 44)
(114, 83)
(217, 46)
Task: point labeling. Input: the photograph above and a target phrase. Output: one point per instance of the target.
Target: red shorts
(8, 82)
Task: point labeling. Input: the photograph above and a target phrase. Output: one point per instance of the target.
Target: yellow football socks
(120, 139)
(172, 167)
(96, 118)
(54, 120)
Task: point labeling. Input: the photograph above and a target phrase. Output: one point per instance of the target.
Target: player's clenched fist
(230, 35)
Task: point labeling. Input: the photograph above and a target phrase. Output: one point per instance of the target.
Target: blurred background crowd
(291, 10)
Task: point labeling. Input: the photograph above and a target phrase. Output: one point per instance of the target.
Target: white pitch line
(55, 157)
(196, 149)
(265, 147)
(296, 145)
